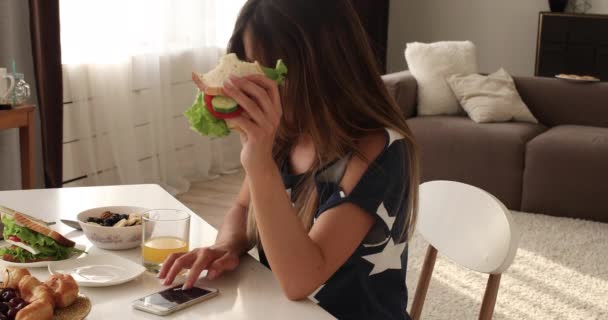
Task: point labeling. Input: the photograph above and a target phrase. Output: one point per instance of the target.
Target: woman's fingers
(205, 258)
(274, 110)
(183, 262)
(251, 107)
(269, 85)
(258, 92)
(247, 127)
(228, 262)
(168, 263)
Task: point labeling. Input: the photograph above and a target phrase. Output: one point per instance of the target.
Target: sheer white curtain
(127, 71)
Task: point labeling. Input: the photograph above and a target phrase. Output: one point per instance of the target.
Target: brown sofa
(558, 167)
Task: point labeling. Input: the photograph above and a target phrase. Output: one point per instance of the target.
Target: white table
(250, 292)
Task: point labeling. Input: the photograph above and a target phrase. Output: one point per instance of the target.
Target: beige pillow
(492, 98)
(430, 64)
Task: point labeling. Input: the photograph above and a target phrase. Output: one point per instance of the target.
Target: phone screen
(173, 297)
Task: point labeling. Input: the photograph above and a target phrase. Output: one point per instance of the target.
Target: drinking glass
(165, 231)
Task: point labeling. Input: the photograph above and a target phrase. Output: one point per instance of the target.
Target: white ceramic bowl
(111, 238)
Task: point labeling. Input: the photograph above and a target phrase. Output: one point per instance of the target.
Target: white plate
(39, 264)
(575, 79)
(99, 270)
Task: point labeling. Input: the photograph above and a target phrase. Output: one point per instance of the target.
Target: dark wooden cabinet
(573, 44)
(374, 17)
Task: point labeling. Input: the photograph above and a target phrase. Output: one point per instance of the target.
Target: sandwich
(211, 108)
(31, 240)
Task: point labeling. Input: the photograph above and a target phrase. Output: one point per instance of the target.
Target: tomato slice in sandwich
(14, 238)
(220, 115)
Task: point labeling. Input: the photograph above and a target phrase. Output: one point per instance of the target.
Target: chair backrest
(468, 225)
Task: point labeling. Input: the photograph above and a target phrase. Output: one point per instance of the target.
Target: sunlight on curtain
(127, 71)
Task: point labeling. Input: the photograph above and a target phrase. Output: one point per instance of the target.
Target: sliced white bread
(212, 82)
(36, 225)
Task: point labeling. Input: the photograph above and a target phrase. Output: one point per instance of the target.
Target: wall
(503, 31)
(15, 44)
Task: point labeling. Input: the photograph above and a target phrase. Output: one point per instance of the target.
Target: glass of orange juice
(165, 231)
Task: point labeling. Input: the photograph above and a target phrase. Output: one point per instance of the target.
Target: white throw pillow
(492, 98)
(430, 64)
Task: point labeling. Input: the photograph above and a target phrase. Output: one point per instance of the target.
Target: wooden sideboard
(22, 117)
(572, 44)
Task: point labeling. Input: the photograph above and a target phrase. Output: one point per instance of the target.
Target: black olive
(3, 317)
(15, 302)
(12, 312)
(3, 307)
(21, 305)
(8, 295)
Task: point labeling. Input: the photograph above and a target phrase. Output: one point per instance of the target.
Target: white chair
(470, 227)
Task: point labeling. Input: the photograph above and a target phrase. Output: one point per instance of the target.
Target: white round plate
(575, 79)
(99, 270)
(39, 264)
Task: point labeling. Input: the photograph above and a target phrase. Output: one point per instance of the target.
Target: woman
(336, 141)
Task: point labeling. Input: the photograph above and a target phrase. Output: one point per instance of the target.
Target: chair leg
(489, 298)
(423, 282)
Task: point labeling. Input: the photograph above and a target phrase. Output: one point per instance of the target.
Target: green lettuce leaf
(48, 247)
(278, 73)
(204, 122)
(21, 254)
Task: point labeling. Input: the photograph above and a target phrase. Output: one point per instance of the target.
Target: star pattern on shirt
(393, 136)
(389, 258)
(383, 214)
(388, 220)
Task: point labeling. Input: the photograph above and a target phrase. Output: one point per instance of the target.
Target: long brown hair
(333, 92)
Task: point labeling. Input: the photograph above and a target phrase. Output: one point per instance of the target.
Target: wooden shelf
(22, 117)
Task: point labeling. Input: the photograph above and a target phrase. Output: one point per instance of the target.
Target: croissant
(37, 310)
(42, 293)
(59, 290)
(64, 288)
(11, 276)
(26, 287)
(40, 299)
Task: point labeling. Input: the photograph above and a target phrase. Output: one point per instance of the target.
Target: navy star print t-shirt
(371, 283)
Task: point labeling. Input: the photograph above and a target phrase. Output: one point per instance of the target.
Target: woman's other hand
(216, 259)
(259, 97)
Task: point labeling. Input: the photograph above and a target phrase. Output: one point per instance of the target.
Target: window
(104, 31)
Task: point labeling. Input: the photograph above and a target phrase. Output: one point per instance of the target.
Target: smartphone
(173, 299)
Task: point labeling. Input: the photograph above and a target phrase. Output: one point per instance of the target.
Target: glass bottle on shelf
(21, 92)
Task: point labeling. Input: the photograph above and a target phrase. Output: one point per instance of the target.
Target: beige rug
(560, 272)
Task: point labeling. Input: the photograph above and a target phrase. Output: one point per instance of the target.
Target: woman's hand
(216, 259)
(259, 98)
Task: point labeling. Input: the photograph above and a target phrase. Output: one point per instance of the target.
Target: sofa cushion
(567, 173)
(491, 98)
(560, 102)
(402, 86)
(431, 63)
(487, 155)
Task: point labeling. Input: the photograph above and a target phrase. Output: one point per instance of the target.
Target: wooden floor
(211, 199)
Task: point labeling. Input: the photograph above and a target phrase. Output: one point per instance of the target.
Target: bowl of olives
(10, 303)
(114, 227)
